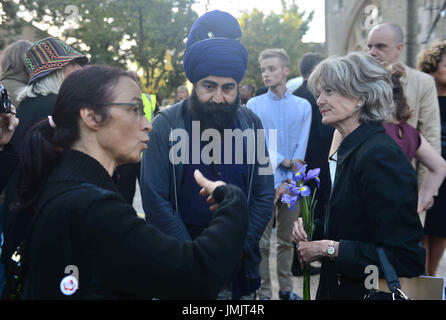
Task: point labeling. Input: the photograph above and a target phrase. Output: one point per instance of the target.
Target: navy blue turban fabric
(213, 48)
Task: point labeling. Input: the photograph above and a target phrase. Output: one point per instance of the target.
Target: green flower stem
(307, 216)
(306, 289)
(304, 212)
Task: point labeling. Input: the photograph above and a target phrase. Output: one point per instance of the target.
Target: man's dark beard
(217, 116)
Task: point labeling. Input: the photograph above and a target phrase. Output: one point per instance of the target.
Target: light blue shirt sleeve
(304, 132)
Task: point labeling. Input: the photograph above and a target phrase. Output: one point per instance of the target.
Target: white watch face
(331, 251)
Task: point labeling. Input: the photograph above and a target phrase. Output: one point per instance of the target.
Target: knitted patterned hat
(48, 55)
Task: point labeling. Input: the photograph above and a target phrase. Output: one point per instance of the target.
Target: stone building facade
(347, 23)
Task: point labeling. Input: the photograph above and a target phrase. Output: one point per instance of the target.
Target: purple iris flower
(313, 174)
(300, 166)
(300, 174)
(297, 190)
(290, 200)
(304, 191)
(293, 188)
(318, 182)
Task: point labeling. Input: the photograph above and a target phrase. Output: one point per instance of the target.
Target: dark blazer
(373, 203)
(8, 162)
(118, 254)
(29, 112)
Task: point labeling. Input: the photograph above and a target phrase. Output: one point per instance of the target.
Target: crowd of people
(213, 167)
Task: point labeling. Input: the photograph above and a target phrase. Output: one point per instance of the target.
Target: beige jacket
(422, 99)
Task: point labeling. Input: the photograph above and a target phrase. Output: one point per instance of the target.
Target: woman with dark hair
(80, 220)
(414, 144)
(432, 60)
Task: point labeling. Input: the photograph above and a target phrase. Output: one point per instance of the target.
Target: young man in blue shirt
(288, 118)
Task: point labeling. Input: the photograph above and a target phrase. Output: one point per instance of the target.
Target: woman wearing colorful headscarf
(49, 61)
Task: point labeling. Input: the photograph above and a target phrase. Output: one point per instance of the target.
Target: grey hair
(43, 86)
(357, 75)
(12, 62)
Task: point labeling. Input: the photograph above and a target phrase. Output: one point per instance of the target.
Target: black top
(8, 162)
(442, 103)
(119, 255)
(29, 112)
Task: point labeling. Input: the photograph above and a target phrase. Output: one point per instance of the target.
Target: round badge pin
(68, 285)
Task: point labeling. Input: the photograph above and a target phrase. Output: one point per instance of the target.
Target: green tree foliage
(114, 32)
(284, 30)
(9, 22)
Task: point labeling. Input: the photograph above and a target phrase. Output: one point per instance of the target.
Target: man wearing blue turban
(215, 62)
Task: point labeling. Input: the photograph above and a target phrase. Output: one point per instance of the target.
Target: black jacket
(8, 162)
(29, 112)
(373, 203)
(118, 254)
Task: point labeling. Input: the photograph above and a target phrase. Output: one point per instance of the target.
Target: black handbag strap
(389, 271)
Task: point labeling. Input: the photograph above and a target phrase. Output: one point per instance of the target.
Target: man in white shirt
(290, 116)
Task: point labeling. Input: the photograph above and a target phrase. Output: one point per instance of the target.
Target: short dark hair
(308, 62)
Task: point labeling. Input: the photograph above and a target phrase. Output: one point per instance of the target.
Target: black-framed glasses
(137, 107)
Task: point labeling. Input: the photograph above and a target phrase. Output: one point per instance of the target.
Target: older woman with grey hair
(48, 62)
(374, 189)
(14, 75)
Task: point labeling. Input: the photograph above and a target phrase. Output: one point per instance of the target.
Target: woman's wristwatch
(331, 250)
